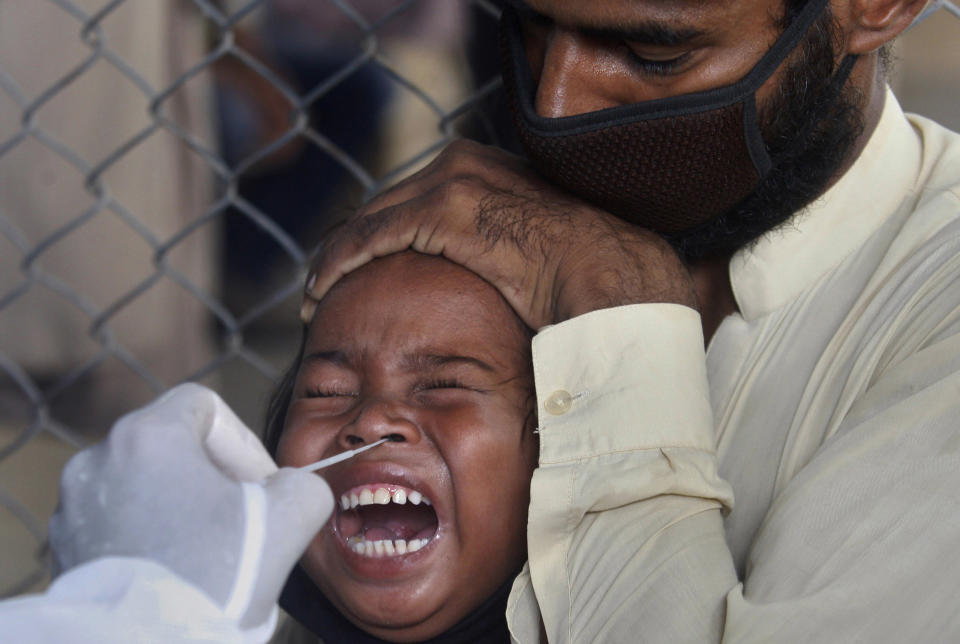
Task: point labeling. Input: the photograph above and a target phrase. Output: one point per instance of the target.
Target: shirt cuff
(622, 379)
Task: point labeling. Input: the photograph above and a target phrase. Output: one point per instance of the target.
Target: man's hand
(182, 483)
(552, 256)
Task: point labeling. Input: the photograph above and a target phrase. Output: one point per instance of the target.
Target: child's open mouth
(386, 520)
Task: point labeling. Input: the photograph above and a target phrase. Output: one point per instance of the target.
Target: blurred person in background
(161, 182)
(365, 115)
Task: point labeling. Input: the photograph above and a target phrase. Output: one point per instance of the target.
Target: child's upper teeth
(381, 496)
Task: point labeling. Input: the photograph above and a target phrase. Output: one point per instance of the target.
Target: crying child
(430, 528)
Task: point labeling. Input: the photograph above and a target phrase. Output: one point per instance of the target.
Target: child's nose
(380, 419)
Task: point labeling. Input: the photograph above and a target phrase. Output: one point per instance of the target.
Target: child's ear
(871, 24)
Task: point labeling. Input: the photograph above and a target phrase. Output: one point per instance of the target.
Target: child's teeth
(381, 496)
(385, 547)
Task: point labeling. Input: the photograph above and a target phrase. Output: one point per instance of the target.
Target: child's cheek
(306, 438)
(292, 446)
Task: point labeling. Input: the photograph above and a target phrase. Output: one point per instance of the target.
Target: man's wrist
(612, 288)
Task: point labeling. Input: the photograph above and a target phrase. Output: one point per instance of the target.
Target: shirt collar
(778, 267)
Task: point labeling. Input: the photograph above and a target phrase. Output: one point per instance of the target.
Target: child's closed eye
(444, 391)
(317, 391)
(442, 383)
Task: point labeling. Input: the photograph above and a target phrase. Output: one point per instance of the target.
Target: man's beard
(810, 128)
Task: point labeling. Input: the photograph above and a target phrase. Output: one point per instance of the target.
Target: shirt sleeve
(626, 501)
(625, 535)
(119, 600)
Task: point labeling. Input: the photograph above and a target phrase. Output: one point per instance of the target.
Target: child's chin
(405, 606)
(400, 619)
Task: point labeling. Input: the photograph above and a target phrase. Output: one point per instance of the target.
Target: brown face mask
(668, 164)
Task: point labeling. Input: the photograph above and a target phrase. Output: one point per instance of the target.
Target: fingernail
(311, 281)
(306, 310)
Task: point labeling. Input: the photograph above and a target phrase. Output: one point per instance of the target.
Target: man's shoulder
(940, 163)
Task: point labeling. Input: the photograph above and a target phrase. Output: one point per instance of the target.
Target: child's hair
(280, 400)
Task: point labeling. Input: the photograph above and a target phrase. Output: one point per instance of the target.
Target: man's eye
(657, 67)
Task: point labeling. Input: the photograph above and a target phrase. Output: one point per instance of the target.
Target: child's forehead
(433, 286)
(415, 305)
(413, 268)
(425, 359)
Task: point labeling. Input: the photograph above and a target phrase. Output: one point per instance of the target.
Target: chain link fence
(166, 169)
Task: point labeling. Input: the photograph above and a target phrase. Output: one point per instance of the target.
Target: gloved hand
(184, 483)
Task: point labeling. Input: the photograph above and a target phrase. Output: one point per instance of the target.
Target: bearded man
(736, 176)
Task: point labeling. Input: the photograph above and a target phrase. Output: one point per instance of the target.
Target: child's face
(419, 349)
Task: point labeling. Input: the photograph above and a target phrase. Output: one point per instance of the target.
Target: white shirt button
(558, 403)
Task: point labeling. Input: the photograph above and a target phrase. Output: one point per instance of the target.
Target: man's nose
(575, 77)
(380, 418)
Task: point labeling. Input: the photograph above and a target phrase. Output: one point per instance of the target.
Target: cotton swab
(342, 456)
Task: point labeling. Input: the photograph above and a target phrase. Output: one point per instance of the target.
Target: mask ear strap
(754, 138)
(834, 88)
(756, 146)
(765, 68)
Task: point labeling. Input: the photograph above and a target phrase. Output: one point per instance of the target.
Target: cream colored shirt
(829, 408)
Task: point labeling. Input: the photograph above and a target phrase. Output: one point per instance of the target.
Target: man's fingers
(473, 205)
(346, 250)
(424, 212)
(430, 223)
(461, 158)
(440, 221)
(358, 242)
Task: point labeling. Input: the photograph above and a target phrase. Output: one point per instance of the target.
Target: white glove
(184, 483)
